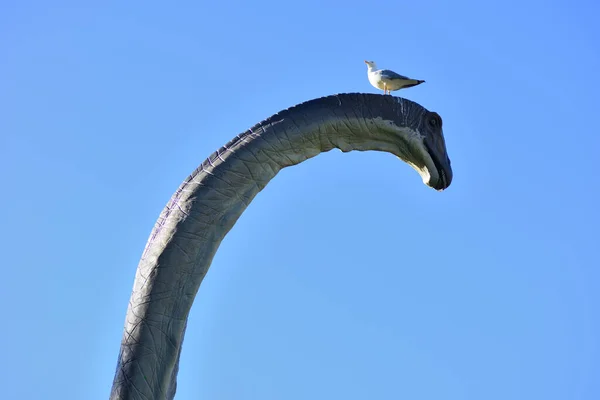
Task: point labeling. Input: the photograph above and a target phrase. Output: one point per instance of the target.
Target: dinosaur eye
(435, 121)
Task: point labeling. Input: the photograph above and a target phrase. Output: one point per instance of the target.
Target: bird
(208, 203)
(387, 80)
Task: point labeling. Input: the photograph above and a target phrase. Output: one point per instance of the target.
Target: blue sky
(347, 277)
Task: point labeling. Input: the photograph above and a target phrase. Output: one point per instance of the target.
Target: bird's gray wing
(387, 74)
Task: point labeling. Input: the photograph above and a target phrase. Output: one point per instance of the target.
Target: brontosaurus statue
(208, 203)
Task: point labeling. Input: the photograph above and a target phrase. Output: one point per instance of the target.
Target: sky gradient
(346, 277)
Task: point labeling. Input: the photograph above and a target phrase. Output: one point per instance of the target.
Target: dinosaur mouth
(443, 169)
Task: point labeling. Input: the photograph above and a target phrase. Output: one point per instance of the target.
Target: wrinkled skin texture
(210, 201)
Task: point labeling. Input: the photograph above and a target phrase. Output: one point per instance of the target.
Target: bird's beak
(366, 62)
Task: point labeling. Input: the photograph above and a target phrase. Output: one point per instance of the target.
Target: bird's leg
(384, 88)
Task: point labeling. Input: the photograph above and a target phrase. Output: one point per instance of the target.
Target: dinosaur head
(427, 151)
(412, 133)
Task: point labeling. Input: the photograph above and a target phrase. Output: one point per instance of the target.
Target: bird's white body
(387, 80)
(381, 82)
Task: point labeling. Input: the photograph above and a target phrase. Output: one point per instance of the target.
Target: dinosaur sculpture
(210, 201)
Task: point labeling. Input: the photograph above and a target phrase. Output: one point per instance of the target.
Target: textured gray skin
(210, 201)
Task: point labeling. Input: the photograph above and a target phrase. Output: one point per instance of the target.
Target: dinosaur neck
(190, 229)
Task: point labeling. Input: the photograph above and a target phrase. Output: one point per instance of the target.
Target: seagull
(387, 80)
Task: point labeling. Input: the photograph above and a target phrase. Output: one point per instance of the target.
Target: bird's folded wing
(387, 74)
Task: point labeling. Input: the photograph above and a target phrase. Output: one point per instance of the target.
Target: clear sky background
(347, 277)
